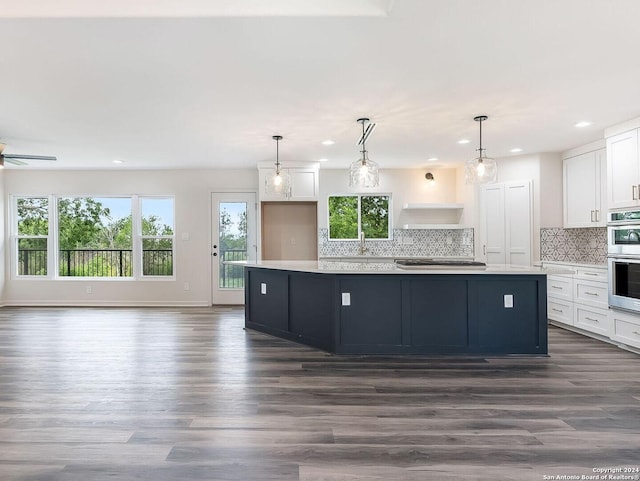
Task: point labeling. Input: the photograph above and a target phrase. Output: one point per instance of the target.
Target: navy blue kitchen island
(377, 308)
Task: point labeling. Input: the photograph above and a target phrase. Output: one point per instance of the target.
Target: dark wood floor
(187, 394)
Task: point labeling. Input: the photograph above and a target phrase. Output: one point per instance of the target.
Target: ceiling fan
(19, 159)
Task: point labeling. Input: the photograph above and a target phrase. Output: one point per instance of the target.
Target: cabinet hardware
(633, 192)
(557, 310)
(590, 319)
(484, 250)
(597, 215)
(590, 274)
(636, 333)
(591, 293)
(593, 216)
(556, 287)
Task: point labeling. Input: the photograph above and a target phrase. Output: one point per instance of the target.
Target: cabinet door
(304, 184)
(623, 170)
(601, 189)
(494, 225)
(580, 180)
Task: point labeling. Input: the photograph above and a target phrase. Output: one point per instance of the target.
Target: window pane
(157, 216)
(94, 236)
(233, 243)
(157, 257)
(32, 257)
(33, 216)
(343, 217)
(374, 216)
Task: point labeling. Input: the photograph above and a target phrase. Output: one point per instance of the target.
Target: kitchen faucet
(362, 249)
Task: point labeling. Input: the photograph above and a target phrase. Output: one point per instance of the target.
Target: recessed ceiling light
(464, 141)
(516, 150)
(323, 160)
(118, 161)
(432, 159)
(328, 142)
(584, 123)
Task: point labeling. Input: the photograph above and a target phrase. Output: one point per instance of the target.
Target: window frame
(359, 196)
(16, 236)
(139, 238)
(53, 251)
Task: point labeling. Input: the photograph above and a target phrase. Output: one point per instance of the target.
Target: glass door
(233, 239)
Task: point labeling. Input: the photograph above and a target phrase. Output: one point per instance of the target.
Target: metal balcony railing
(96, 262)
(231, 276)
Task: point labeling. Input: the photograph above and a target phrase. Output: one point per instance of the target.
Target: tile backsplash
(404, 242)
(584, 246)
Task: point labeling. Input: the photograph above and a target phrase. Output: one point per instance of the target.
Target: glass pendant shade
(364, 173)
(277, 182)
(482, 169)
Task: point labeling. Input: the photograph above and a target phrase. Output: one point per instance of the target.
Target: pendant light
(482, 169)
(278, 181)
(364, 172)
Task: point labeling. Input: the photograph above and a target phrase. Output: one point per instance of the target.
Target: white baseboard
(84, 303)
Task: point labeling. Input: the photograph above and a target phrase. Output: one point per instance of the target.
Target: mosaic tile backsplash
(583, 246)
(405, 242)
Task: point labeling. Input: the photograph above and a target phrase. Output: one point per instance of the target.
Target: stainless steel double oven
(624, 260)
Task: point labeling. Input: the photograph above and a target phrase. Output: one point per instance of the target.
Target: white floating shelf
(432, 226)
(433, 206)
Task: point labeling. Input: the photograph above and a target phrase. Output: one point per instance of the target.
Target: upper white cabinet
(623, 170)
(303, 184)
(585, 190)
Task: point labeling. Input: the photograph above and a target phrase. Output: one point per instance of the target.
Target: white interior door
(506, 223)
(233, 238)
(494, 247)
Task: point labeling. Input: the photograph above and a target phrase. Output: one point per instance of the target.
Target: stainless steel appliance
(624, 260)
(624, 233)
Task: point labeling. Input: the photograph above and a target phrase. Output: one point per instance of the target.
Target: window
(157, 235)
(94, 237)
(32, 239)
(352, 214)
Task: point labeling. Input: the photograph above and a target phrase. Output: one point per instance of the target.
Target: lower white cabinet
(625, 328)
(580, 299)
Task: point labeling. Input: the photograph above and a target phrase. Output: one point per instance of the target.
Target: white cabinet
(580, 299)
(623, 170)
(626, 328)
(303, 184)
(585, 192)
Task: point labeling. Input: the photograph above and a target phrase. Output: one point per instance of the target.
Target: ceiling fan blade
(9, 160)
(28, 157)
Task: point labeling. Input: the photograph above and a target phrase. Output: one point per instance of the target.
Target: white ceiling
(193, 86)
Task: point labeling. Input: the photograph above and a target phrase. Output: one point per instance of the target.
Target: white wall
(3, 237)
(192, 190)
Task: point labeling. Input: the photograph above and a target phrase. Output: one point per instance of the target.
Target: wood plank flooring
(187, 394)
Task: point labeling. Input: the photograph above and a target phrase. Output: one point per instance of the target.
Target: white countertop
(342, 267)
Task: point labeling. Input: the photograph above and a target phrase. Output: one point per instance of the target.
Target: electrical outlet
(407, 240)
(263, 288)
(293, 241)
(346, 298)
(88, 290)
(508, 301)
(449, 240)
(186, 286)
